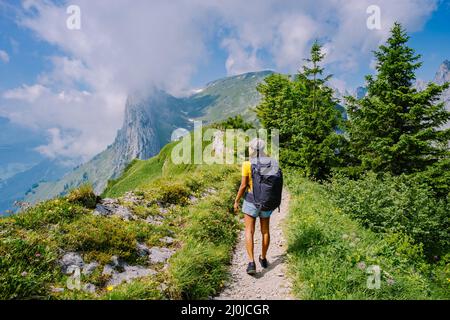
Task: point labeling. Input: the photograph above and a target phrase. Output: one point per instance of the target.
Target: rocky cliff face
(149, 121)
(443, 76)
(138, 138)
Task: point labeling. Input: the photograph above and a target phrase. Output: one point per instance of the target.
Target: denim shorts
(249, 209)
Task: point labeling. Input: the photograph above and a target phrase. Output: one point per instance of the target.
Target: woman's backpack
(267, 180)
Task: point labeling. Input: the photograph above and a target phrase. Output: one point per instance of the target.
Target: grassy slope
(204, 231)
(328, 253)
(140, 172)
(229, 97)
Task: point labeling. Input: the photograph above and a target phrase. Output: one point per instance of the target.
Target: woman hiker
(262, 208)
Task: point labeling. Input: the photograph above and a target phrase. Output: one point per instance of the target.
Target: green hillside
(228, 97)
(140, 172)
(180, 211)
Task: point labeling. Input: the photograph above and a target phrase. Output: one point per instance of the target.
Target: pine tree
(277, 110)
(396, 128)
(305, 112)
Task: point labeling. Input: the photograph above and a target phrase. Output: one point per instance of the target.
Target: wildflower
(109, 288)
(37, 255)
(390, 282)
(24, 274)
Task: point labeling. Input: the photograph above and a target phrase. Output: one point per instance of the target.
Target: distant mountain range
(148, 124)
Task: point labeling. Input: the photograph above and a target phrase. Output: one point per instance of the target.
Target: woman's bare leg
(249, 234)
(265, 223)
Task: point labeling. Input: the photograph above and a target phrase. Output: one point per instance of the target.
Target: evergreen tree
(396, 128)
(236, 122)
(305, 112)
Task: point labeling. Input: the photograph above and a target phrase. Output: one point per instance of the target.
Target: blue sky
(433, 42)
(61, 80)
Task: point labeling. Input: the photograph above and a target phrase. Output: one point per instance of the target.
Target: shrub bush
(396, 204)
(437, 177)
(84, 196)
(329, 253)
(166, 193)
(108, 235)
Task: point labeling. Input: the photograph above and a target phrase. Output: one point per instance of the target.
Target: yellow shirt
(247, 172)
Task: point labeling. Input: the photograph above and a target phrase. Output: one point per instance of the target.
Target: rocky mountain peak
(443, 74)
(137, 139)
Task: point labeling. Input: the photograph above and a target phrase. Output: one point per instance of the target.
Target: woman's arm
(242, 188)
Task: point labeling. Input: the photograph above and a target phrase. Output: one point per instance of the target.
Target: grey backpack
(267, 180)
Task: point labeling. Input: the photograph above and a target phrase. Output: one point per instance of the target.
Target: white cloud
(78, 122)
(122, 48)
(59, 146)
(240, 59)
(339, 85)
(26, 93)
(295, 33)
(287, 29)
(4, 56)
(133, 46)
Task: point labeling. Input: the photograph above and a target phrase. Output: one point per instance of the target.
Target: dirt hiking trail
(268, 284)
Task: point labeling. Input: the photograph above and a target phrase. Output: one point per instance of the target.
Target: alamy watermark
(215, 146)
(74, 281)
(374, 278)
(73, 21)
(374, 20)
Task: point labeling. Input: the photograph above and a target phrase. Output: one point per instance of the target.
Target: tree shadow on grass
(308, 242)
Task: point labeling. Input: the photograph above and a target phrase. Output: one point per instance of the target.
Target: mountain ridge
(148, 125)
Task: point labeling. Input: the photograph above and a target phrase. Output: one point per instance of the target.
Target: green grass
(198, 202)
(199, 269)
(140, 173)
(329, 253)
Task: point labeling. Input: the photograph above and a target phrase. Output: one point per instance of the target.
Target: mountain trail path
(268, 284)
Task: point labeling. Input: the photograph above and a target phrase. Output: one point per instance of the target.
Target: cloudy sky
(73, 84)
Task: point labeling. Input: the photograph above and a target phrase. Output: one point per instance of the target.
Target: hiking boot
(251, 269)
(263, 262)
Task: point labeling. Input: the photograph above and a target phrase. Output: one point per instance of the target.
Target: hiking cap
(257, 144)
